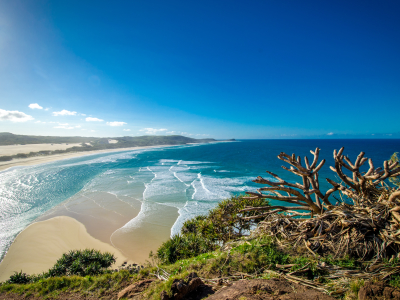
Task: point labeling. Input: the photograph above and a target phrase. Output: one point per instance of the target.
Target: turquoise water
(192, 178)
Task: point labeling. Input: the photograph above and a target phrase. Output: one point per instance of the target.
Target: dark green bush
(82, 263)
(225, 223)
(184, 246)
(19, 278)
(6, 158)
(203, 234)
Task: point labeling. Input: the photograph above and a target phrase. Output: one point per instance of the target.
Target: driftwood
(366, 224)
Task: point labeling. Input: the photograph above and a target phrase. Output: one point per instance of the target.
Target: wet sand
(108, 218)
(96, 220)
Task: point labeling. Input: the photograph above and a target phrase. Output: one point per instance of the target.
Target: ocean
(190, 178)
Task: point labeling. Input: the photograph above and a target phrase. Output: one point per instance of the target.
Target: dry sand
(40, 245)
(15, 149)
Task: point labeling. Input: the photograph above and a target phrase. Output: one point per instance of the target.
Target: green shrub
(82, 263)
(184, 246)
(206, 233)
(225, 223)
(19, 278)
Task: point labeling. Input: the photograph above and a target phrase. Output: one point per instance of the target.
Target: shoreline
(36, 160)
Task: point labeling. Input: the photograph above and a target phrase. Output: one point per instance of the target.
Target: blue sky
(222, 69)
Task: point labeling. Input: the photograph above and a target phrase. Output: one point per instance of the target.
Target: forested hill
(7, 138)
(90, 143)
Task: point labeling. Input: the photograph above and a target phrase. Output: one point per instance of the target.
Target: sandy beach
(92, 220)
(15, 149)
(41, 244)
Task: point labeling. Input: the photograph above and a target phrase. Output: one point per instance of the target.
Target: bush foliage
(88, 262)
(82, 263)
(19, 278)
(206, 233)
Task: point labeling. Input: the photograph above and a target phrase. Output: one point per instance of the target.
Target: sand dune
(16, 149)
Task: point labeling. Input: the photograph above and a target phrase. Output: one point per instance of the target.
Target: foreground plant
(204, 234)
(365, 224)
(82, 263)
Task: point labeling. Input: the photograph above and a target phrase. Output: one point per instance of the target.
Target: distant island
(90, 143)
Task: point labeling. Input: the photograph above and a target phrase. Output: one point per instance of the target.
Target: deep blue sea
(192, 178)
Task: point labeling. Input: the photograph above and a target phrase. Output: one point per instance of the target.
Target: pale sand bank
(16, 149)
(49, 158)
(101, 213)
(108, 219)
(40, 245)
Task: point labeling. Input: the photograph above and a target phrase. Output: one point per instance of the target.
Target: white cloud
(14, 116)
(64, 127)
(83, 115)
(35, 106)
(203, 134)
(79, 126)
(90, 119)
(153, 130)
(46, 109)
(64, 112)
(127, 130)
(40, 122)
(171, 132)
(92, 130)
(116, 123)
(330, 133)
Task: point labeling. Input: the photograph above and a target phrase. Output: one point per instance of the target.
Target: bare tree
(366, 224)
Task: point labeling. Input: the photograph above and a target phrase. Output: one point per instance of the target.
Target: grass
(251, 256)
(52, 286)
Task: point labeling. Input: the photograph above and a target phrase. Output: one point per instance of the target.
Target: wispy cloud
(64, 112)
(116, 123)
(14, 116)
(127, 130)
(186, 133)
(153, 130)
(90, 119)
(330, 133)
(64, 127)
(40, 122)
(35, 106)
